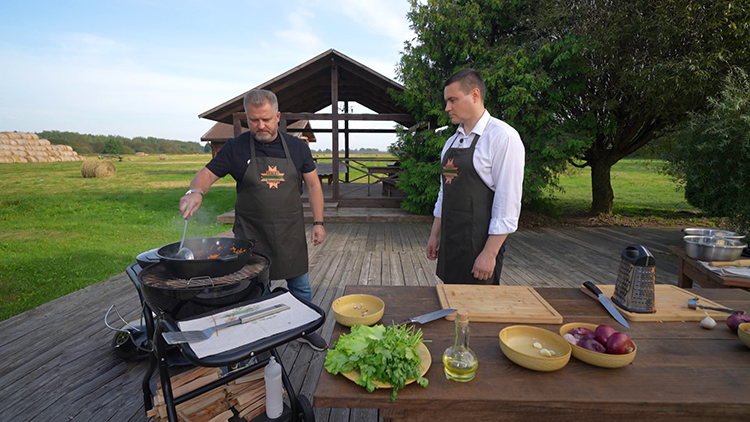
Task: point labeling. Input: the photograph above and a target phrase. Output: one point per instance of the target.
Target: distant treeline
(351, 151)
(85, 144)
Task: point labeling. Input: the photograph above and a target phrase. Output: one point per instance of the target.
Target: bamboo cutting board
(498, 303)
(671, 305)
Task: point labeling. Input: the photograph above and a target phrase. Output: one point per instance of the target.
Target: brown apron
(465, 219)
(269, 210)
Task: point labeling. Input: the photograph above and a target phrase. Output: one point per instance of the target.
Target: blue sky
(149, 67)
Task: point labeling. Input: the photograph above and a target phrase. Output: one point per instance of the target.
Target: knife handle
(406, 321)
(592, 288)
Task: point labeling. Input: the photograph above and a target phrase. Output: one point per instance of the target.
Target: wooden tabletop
(681, 372)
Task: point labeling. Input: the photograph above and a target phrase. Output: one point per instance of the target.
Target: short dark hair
(259, 97)
(469, 79)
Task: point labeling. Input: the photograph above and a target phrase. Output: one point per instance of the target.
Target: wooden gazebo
(326, 80)
(220, 133)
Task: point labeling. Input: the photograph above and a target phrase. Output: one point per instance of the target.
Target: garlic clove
(708, 322)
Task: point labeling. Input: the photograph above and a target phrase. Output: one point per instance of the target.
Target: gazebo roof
(307, 89)
(221, 132)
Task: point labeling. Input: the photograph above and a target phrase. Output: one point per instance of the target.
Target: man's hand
(484, 266)
(189, 204)
(432, 248)
(318, 235)
(433, 243)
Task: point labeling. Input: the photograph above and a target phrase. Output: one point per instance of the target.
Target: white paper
(229, 338)
(730, 270)
(737, 271)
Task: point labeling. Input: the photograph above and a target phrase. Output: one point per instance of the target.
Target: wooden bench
(389, 182)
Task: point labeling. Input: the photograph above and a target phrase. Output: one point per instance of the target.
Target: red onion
(590, 343)
(579, 332)
(603, 332)
(620, 344)
(734, 321)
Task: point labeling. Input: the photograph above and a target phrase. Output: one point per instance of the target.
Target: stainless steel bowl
(713, 232)
(713, 248)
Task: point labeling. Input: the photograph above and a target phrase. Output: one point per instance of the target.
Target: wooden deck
(58, 363)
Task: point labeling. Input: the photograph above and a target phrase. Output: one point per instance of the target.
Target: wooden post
(346, 137)
(335, 127)
(237, 125)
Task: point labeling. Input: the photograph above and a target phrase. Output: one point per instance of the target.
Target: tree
(587, 82)
(710, 154)
(526, 72)
(646, 64)
(112, 146)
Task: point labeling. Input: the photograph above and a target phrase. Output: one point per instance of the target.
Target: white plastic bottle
(274, 395)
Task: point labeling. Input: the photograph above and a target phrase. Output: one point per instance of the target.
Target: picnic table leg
(683, 281)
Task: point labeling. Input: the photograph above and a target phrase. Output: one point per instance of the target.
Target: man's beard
(264, 137)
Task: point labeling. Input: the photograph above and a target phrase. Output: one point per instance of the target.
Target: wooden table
(681, 372)
(325, 170)
(692, 271)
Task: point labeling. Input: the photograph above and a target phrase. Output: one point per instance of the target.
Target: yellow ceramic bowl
(743, 333)
(358, 310)
(518, 344)
(603, 360)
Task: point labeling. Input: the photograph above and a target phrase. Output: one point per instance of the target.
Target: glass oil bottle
(460, 362)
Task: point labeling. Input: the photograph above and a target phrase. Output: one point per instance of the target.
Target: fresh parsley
(386, 354)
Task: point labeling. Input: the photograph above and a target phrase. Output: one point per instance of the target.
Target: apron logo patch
(273, 177)
(450, 171)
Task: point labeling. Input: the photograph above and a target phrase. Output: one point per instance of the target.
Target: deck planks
(58, 363)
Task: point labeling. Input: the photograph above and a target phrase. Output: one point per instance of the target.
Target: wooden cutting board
(671, 305)
(498, 303)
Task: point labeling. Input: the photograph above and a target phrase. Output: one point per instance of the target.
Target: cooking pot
(214, 256)
(195, 299)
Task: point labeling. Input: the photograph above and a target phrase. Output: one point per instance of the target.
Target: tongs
(693, 304)
(203, 335)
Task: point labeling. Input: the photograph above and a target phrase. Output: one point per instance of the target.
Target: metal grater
(634, 290)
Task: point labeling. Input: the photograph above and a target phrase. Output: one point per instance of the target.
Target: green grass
(60, 232)
(638, 188)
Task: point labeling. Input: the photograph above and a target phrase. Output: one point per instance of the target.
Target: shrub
(710, 154)
(419, 157)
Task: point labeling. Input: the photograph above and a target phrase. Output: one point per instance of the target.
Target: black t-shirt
(234, 157)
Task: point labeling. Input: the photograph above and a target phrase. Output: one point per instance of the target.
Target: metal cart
(258, 353)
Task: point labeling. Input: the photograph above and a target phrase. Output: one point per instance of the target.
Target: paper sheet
(229, 338)
(730, 270)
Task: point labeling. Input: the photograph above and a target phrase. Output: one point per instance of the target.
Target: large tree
(589, 81)
(647, 64)
(526, 73)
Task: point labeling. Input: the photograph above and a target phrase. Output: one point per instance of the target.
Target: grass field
(637, 187)
(60, 232)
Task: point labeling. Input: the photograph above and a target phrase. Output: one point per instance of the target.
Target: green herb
(386, 354)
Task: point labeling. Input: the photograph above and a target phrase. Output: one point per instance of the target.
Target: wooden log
(223, 417)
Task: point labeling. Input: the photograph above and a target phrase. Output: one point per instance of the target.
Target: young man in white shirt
(479, 202)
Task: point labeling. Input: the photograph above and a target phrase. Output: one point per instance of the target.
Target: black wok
(186, 302)
(214, 256)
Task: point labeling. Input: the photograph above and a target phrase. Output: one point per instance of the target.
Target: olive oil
(460, 362)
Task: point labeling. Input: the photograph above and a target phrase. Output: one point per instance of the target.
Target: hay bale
(162, 157)
(98, 169)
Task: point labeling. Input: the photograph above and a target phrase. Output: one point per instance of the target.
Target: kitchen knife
(607, 303)
(432, 316)
(737, 263)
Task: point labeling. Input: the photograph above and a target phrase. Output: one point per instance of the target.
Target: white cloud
(380, 17)
(299, 35)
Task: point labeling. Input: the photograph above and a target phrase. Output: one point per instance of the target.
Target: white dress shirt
(499, 159)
